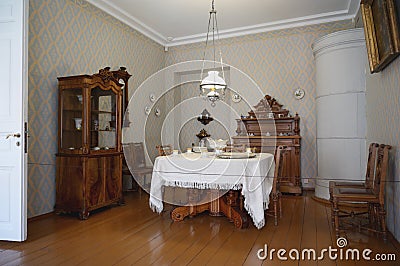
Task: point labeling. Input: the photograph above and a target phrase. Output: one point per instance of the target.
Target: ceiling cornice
(278, 25)
(129, 20)
(136, 24)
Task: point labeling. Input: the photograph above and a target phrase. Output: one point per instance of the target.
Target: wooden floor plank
(156, 248)
(296, 208)
(236, 248)
(204, 256)
(216, 227)
(323, 229)
(309, 234)
(282, 234)
(201, 233)
(133, 234)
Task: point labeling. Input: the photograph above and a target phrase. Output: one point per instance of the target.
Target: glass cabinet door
(71, 119)
(103, 114)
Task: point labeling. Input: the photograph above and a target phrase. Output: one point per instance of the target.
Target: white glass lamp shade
(213, 81)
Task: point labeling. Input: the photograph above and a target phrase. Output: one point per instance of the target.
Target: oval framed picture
(299, 93)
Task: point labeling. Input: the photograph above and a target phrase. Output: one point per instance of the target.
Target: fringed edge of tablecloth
(156, 205)
(195, 185)
(259, 224)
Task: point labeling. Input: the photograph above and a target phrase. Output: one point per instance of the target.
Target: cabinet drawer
(283, 127)
(284, 142)
(256, 128)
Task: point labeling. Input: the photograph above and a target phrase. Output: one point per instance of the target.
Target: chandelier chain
(205, 49)
(212, 21)
(219, 46)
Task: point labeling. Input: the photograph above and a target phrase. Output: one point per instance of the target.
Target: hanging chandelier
(213, 86)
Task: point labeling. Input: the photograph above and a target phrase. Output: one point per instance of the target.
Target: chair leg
(275, 210)
(336, 217)
(382, 220)
(280, 205)
(331, 201)
(332, 211)
(140, 187)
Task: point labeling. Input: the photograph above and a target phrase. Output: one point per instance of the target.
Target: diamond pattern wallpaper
(279, 62)
(383, 112)
(71, 37)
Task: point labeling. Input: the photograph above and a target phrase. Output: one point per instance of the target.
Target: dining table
(236, 184)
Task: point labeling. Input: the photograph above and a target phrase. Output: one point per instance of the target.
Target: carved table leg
(192, 209)
(227, 205)
(230, 207)
(214, 203)
(179, 213)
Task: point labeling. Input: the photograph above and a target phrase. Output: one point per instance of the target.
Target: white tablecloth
(254, 176)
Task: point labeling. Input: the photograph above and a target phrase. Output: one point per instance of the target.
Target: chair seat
(357, 191)
(355, 194)
(348, 184)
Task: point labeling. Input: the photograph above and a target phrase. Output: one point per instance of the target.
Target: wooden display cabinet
(267, 127)
(89, 158)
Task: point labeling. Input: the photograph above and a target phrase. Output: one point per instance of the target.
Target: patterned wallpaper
(279, 62)
(71, 37)
(383, 112)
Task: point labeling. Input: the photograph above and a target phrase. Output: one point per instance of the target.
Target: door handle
(15, 135)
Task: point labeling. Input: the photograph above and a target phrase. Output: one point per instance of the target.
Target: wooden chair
(369, 176)
(374, 197)
(164, 150)
(136, 163)
(275, 196)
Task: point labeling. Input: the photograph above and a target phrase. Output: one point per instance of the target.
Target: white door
(13, 84)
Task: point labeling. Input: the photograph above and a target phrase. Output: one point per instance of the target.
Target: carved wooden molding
(106, 75)
(267, 105)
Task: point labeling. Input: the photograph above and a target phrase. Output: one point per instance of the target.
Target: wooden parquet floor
(133, 235)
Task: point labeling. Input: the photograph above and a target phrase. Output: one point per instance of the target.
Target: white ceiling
(175, 22)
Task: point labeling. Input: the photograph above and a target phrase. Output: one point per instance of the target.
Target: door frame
(25, 82)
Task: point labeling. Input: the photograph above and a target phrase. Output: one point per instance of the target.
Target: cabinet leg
(121, 201)
(84, 215)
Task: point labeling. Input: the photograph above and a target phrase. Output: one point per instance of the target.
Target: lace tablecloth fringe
(196, 185)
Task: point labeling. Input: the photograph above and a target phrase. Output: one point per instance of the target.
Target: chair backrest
(380, 172)
(279, 158)
(371, 165)
(164, 150)
(134, 155)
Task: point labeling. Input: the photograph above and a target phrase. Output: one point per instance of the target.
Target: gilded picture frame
(381, 27)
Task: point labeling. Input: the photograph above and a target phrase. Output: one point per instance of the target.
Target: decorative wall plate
(147, 110)
(236, 98)
(299, 93)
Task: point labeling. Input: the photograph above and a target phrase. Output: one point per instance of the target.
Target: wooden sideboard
(267, 127)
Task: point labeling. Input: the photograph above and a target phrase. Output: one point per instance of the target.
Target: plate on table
(236, 155)
(198, 149)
